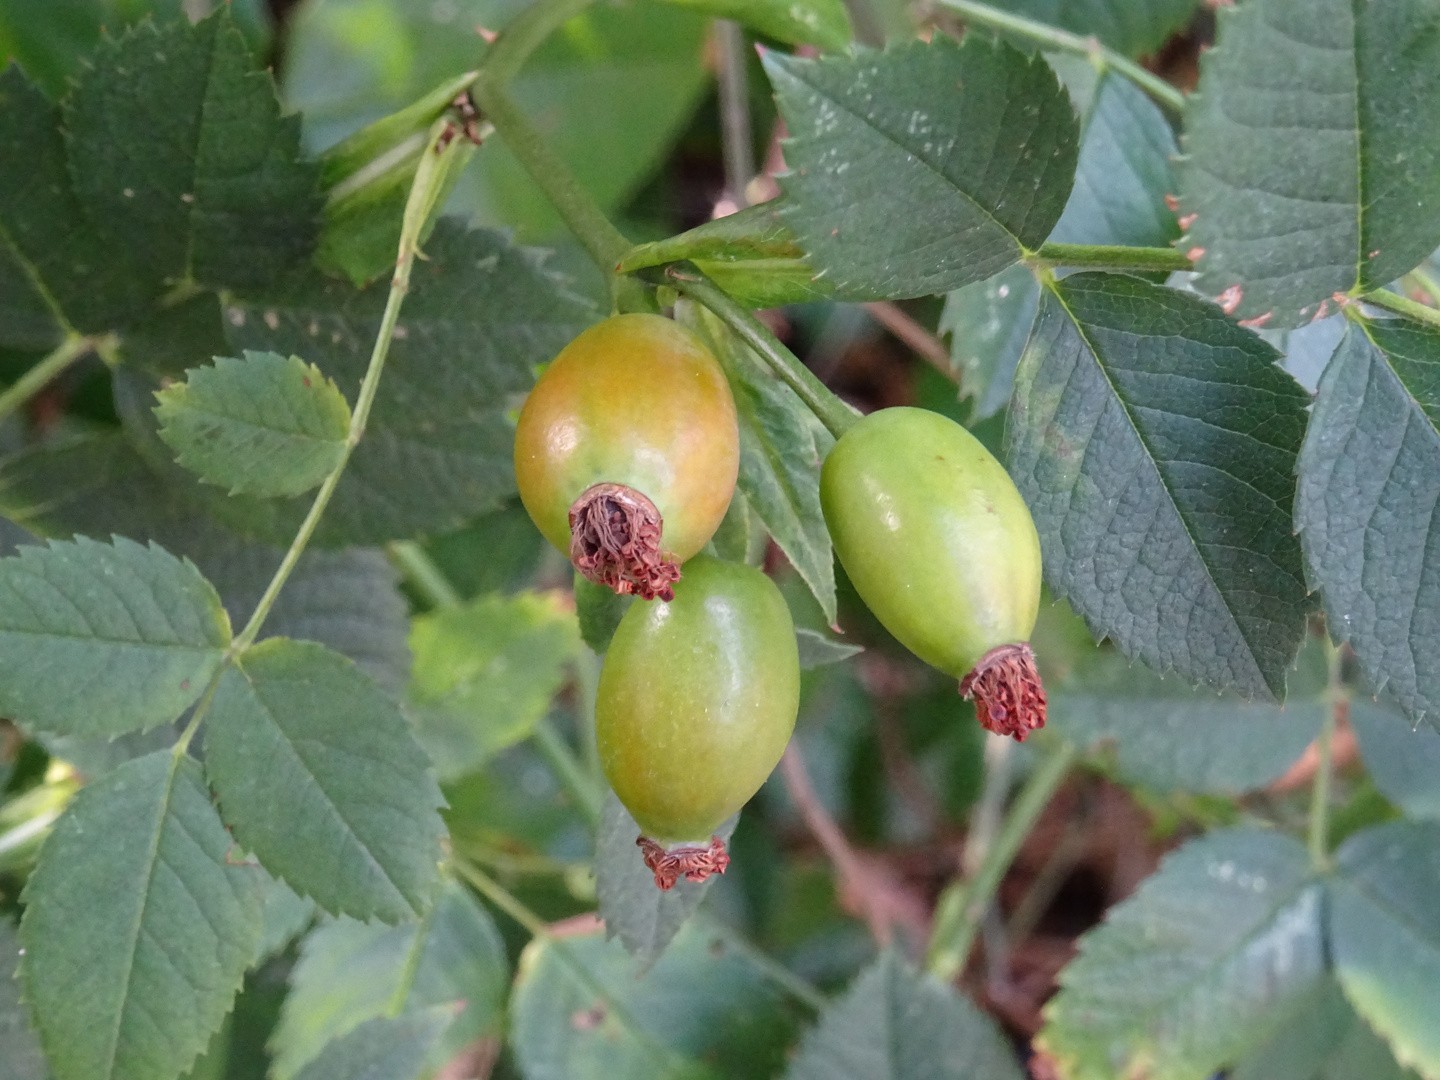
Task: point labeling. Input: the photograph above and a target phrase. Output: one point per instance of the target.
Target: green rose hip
(941, 547)
(696, 702)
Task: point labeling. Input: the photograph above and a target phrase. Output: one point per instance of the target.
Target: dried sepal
(615, 542)
(1009, 697)
(695, 862)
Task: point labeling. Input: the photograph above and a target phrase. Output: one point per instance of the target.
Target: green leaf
(809, 22)
(282, 917)
(599, 611)
(264, 425)
(1155, 444)
(1170, 737)
(1311, 161)
(484, 675)
(1121, 181)
(632, 908)
(751, 254)
(481, 316)
(1197, 968)
(895, 1023)
(817, 650)
(138, 927)
(178, 149)
(19, 1046)
(702, 1001)
(1365, 508)
(781, 448)
(609, 93)
(1404, 763)
(385, 1048)
(349, 973)
(56, 272)
(319, 775)
(975, 143)
(1324, 1040)
(1130, 27)
(98, 639)
(1385, 935)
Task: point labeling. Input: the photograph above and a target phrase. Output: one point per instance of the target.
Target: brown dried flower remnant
(615, 542)
(695, 863)
(1009, 697)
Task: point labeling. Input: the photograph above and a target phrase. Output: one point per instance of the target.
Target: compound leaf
(265, 425)
(923, 168)
(101, 639)
(1311, 161)
(1155, 444)
(138, 926)
(1403, 762)
(319, 776)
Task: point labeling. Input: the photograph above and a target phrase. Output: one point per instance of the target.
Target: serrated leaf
(781, 448)
(1121, 180)
(1403, 762)
(219, 194)
(599, 611)
(1131, 27)
(19, 1045)
(480, 317)
(138, 928)
(319, 776)
(265, 425)
(1197, 968)
(751, 254)
(810, 22)
(1385, 935)
(1310, 160)
(484, 675)
(1155, 444)
(100, 639)
(1171, 737)
(1325, 1040)
(283, 915)
(923, 168)
(56, 272)
(1365, 507)
(633, 909)
(895, 1023)
(349, 972)
(702, 1001)
(386, 1048)
(817, 650)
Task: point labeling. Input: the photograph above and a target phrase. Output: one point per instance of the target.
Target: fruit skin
(934, 535)
(697, 699)
(636, 400)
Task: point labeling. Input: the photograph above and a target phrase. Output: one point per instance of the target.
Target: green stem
(577, 208)
(1383, 298)
(1426, 281)
(1319, 836)
(1109, 257)
(962, 905)
(420, 570)
(33, 381)
(411, 966)
(837, 416)
(524, 34)
(501, 897)
(568, 770)
(424, 190)
(783, 977)
(1053, 37)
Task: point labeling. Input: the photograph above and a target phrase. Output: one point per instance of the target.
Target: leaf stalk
(1111, 257)
(43, 373)
(1400, 305)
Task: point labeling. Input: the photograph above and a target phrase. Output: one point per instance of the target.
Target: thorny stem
(38, 377)
(1383, 298)
(1111, 257)
(1053, 37)
(1319, 836)
(837, 416)
(503, 899)
(964, 902)
(524, 34)
(423, 193)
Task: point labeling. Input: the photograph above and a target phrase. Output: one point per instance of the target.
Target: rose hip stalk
(942, 549)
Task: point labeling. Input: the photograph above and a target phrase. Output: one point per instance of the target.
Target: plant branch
(1400, 305)
(1319, 832)
(424, 191)
(568, 770)
(1111, 257)
(837, 416)
(963, 903)
(38, 377)
(1053, 37)
(921, 341)
(1427, 282)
